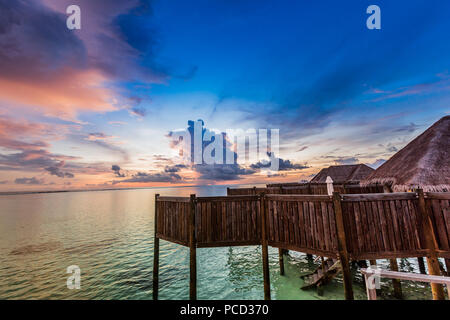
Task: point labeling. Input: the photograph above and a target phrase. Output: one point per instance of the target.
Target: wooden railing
(377, 226)
(306, 189)
(228, 221)
(354, 226)
(302, 223)
(371, 275)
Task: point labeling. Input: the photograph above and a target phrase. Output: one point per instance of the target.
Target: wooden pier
(343, 226)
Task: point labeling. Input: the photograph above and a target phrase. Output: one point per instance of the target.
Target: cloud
(29, 181)
(56, 171)
(97, 136)
(410, 128)
(174, 168)
(66, 72)
(344, 161)
(142, 177)
(222, 172)
(32, 159)
(283, 165)
(138, 111)
(117, 172)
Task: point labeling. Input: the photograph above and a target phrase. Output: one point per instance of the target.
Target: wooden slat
(438, 195)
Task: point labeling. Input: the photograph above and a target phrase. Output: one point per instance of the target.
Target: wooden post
(430, 240)
(265, 249)
(192, 251)
(281, 260)
(421, 263)
(370, 287)
(342, 246)
(395, 282)
(254, 190)
(155, 253)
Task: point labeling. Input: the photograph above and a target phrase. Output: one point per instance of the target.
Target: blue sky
(338, 92)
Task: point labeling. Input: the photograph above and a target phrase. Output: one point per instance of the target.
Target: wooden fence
(307, 189)
(356, 226)
(228, 221)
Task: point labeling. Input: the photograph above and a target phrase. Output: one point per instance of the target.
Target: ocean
(109, 236)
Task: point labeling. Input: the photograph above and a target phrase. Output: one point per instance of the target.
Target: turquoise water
(109, 235)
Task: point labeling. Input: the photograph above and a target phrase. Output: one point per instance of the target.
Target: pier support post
(265, 249)
(395, 282)
(155, 253)
(342, 246)
(281, 260)
(421, 263)
(192, 250)
(430, 242)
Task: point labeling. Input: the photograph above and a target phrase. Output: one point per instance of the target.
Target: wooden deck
(359, 226)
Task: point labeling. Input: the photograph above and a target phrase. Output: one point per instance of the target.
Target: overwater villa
(424, 163)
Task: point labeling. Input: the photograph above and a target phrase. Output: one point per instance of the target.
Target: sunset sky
(93, 108)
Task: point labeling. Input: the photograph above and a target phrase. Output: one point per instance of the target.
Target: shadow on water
(36, 248)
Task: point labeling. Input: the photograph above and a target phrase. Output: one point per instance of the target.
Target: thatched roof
(352, 173)
(423, 163)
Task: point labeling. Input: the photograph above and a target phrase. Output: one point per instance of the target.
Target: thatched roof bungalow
(423, 163)
(352, 173)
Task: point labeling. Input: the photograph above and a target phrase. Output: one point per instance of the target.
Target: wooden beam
(281, 260)
(430, 240)
(264, 247)
(342, 246)
(395, 282)
(421, 263)
(192, 251)
(155, 253)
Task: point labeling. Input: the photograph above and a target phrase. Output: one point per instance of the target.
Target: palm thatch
(352, 173)
(424, 163)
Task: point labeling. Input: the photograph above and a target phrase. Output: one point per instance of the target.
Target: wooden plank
(264, 248)
(155, 252)
(220, 244)
(395, 224)
(342, 247)
(312, 219)
(381, 241)
(320, 233)
(433, 263)
(289, 197)
(308, 230)
(228, 198)
(308, 250)
(441, 234)
(379, 196)
(409, 276)
(390, 228)
(301, 224)
(173, 199)
(333, 235)
(192, 251)
(388, 254)
(359, 231)
(437, 195)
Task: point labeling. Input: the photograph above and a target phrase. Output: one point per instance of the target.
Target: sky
(96, 107)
